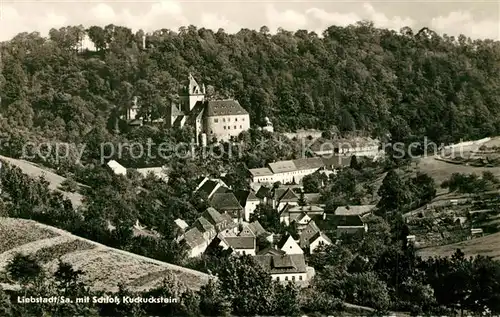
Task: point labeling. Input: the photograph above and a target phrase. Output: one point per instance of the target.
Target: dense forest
(357, 78)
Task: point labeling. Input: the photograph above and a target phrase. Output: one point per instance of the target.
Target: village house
(228, 204)
(205, 230)
(265, 195)
(212, 119)
(195, 242)
(249, 201)
(240, 245)
(312, 237)
(286, 172)
(256, 230)
(288, 245)
(159, 172)
(285, 197)
(209, 186)
(350, 219)
(301, 214)
(116, 168)
(285, 268)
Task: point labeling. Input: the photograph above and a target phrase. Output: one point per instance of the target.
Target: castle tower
(191, 94)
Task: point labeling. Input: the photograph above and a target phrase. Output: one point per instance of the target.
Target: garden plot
(16, 232)
(105, 270)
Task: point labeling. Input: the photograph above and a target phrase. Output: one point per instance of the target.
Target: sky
(475, 19)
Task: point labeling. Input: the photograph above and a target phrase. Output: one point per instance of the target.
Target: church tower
(191, 94)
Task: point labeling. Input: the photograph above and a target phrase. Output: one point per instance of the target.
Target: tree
(394, 195)
(244, 270)
(354, 163)
(5, 304)
(302, 200)
(312, 183)
(69, 185)
(24, 269)
(213, 302)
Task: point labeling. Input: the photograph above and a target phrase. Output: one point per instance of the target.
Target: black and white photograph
(249, 158)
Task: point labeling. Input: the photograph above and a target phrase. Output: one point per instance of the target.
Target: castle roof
(227, 107)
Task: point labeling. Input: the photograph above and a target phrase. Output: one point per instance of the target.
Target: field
(442, 171)
(104, 268)
(54, 180)
(488, 246)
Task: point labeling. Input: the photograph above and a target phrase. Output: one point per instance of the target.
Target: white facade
(289, 277)
(198, 250)
(250, 207)
(318, 242)
(291, 247)
(117, 168)
(225, 127)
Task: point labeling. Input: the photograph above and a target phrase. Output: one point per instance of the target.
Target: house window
(277, 278)
(211, 132)
(293, 278)
(228, 127)
(300, 277)
(286, 278)
(235, 127)
(242, 119)
(224, 127)
(228, 119)
(223, 119)
(235, 119)
(244, 253)
(240, 126)
(216, 120)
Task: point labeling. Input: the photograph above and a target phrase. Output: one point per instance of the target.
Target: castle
(212, 119)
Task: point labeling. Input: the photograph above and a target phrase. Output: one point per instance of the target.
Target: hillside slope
(488, 246)
(104, 267)
(54, 180)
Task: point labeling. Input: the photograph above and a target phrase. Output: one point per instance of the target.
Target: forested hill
(355, 78)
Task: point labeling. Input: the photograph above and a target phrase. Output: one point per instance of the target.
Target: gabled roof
(318, 235)
(307, 209)
(282, 167)
(225, 201)
(289, 195)
(175, 110)
(227, 107)
(245, 195)
(264, 192)
(281, 264)
(283, 240)
(208, 187)
(257, 228)
(194, 238)
(313, 198)
(264, 171)
(353, 210)
(181, 223)
(203, 224)
(115, 166)
(308, 163)
(271, 251)
(349, 221)
(238, 243)
(301, 216)
(213, 216)
(309, 232)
